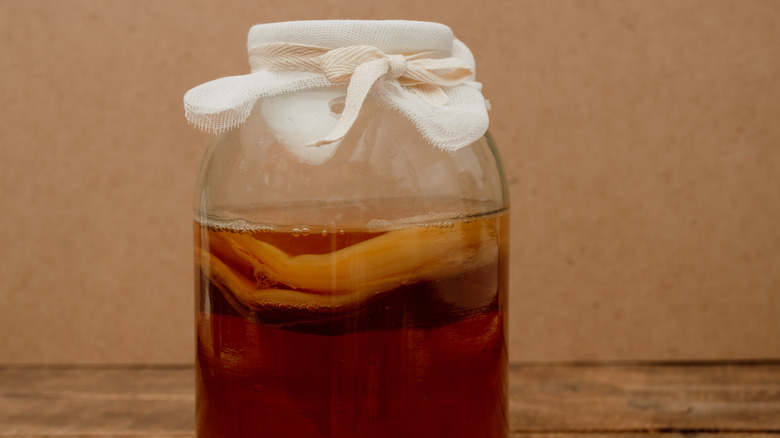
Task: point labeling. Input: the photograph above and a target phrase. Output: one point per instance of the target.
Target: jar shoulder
(268, 161)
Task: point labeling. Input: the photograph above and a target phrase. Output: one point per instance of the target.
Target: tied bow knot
(396, 66)
(425, 74)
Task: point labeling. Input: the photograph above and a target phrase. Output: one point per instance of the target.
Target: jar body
(353, 290)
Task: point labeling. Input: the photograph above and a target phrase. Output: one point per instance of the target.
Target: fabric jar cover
(417, 68)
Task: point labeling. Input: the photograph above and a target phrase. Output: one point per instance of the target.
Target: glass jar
(352, 289)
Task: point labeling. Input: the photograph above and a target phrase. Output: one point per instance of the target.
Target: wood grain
(642, 435)
(97, 402)
(644, 398)
(552, 401)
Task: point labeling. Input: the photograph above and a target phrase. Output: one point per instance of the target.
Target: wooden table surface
(561, 401)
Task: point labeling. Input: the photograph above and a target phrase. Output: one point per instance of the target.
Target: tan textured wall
(641, 139)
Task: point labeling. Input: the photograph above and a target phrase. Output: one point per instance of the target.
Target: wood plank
(553, 401)
(642, 398)
(641, 435)
(97, 402)
(514, 435)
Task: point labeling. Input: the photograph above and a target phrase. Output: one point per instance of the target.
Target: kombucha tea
(352, 332)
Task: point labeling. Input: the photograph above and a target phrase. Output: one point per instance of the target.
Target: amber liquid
(423, 355)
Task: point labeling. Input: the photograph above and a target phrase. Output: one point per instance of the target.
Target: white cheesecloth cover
(416, 68)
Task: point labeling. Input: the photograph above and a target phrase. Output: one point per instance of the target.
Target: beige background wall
(642, 140)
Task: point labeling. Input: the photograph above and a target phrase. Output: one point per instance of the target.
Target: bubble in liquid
(380, 224)
(305, 232)
(240, 226)
(296, 232)
(341, 232)
(310, 307)
(324, 233)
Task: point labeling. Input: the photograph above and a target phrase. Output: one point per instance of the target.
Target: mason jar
(354, 287)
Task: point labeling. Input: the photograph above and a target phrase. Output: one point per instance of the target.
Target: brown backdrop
(641, 139)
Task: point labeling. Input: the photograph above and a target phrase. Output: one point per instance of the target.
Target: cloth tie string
(425, 74)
